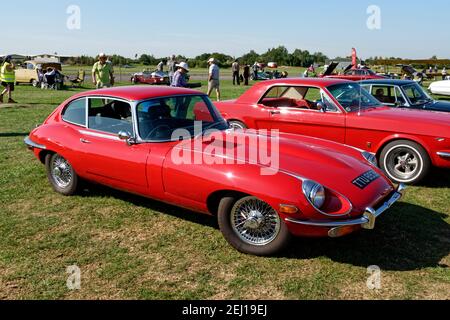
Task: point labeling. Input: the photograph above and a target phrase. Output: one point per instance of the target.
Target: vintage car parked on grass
(124, 138)
(28, 71)
(151, 77)
(351, 74)
(440, 87)
(406, 142)
(403, 93)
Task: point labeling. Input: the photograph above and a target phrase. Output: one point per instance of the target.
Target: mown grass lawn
(129, 247)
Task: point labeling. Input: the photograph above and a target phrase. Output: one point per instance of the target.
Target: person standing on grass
(246, 74)
(160, 66)
(8, 78)
(213, 78)
(235, 69)
(171, 65)
(179, 77)
(255, 70)
(103, 72)
(444, 74)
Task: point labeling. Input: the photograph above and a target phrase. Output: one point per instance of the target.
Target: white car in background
(440, 87)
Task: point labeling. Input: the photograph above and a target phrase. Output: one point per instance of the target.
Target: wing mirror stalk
(127, 137)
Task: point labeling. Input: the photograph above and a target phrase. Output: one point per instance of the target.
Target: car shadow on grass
(407, 237)
(13, 134)
(438, 178)
(94, 190)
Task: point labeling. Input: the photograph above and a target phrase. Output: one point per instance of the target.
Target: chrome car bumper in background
(32, 145)
(367, 221)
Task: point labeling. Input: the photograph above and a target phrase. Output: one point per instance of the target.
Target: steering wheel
(162, 128)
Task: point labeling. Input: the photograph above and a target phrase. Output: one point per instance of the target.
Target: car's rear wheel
(35, 83)
(61, 175)
(405, 161)
(252, 226)
(237, 125)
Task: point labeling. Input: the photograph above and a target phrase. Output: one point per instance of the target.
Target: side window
(366, 87)
(400, 99)
(30, 66)
(75, 112)
(384, 94)
(109, 115)
(328, 102)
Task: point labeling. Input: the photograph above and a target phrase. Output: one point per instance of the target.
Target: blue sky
(408, 28)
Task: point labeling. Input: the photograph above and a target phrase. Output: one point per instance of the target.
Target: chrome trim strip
(367, 221)
(100, 135)
(443, 154)
(32, 144)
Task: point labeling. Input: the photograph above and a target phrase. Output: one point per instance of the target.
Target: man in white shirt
(213, 78)
(235, 69)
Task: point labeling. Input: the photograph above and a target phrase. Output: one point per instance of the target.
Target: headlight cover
(370, 157)
(315, 193)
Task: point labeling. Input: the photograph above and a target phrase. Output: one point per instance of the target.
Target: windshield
(352, 97)
(159, 119)
(415, 94)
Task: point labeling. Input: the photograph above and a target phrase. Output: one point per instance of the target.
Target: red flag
(354, 58)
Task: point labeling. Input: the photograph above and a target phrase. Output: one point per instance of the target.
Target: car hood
(438, 106)
(333, 165)
(396, 119)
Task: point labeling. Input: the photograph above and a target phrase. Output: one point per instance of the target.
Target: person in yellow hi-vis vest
(8, 78)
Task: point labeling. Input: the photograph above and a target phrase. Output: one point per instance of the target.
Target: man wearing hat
(103, 72)
(213, 79)
(179, 77)
(8, 78)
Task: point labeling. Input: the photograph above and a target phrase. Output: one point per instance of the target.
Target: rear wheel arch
(43, 154)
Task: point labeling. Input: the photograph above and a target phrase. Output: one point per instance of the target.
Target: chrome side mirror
(127, 136)
(321, 107)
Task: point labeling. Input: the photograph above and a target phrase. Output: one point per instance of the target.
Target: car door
(109, 159)
(304, 118)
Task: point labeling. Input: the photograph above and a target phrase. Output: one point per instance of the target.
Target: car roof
(138, 93)
(394, 82)
(261, 87)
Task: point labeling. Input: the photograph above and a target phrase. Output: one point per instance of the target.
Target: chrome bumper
(367, 221)
(32, 145)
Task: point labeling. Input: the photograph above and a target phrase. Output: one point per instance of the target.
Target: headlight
(370, 157)
(315, 193)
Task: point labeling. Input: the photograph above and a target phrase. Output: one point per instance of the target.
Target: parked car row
(340, 151)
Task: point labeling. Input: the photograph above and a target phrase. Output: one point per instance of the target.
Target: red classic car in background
(125, 138)
(357, 74)
(406, 142)
(153, 78)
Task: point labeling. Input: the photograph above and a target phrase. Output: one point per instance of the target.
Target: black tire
(405, 161)
(62, 184)
(237, 125)
(281, 238)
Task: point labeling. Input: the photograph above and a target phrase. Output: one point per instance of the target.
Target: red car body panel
(370, 129)
(147, 169)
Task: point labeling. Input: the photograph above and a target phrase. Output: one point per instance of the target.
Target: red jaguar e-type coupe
(158, 142)
(406, 142)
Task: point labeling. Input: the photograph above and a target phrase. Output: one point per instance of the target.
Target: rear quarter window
(75, 112)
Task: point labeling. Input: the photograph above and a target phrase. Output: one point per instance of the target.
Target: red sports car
(153, 78)
(406, 142)
(352, 74)
(159, 142)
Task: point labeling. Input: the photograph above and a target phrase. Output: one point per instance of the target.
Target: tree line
(280, 55)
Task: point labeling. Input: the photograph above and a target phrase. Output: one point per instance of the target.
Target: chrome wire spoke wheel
(255, 222)
(61, 172)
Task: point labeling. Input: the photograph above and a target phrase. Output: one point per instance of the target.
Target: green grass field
(128, 247)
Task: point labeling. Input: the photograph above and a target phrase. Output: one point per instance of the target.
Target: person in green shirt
(103, 72)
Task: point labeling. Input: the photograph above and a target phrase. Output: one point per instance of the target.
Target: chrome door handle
(275, 112)
(84, 141)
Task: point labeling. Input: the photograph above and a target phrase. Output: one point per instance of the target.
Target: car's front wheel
(61, 175)
(237, 125)
(405, 161)
(252, 226)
